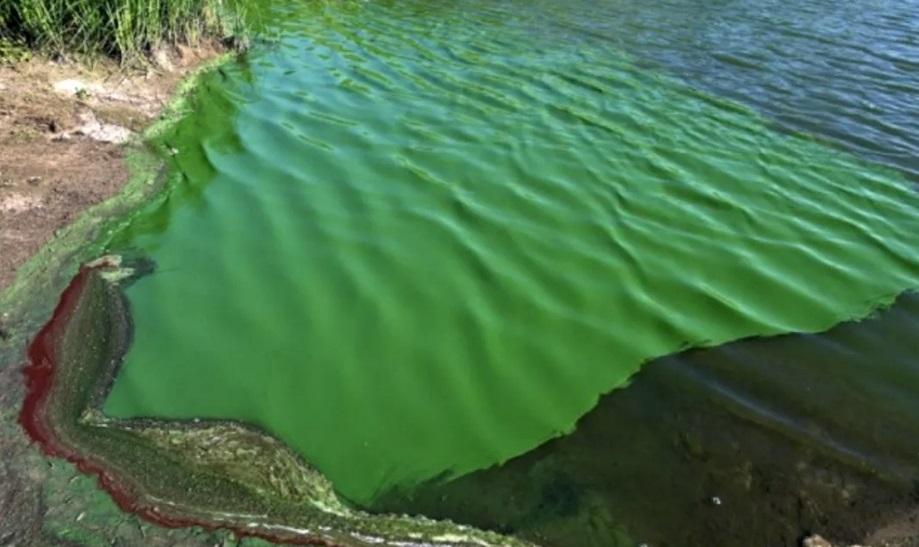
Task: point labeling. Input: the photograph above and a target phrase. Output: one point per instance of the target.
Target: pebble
(76, 87)
(104, 132)
(816, 541)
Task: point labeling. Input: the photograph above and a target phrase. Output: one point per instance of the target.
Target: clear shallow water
(414, 240)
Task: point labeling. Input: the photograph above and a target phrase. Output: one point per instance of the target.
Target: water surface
(418, 239)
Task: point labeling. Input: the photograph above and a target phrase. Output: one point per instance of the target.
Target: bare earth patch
(62, 131)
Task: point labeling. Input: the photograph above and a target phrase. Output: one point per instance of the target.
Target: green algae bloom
(412, 250)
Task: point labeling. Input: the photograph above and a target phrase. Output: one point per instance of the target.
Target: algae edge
(212, 474)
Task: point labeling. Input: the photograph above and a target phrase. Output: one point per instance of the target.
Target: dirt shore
(63, 127)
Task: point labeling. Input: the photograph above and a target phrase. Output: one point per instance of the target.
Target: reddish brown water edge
(39, 372)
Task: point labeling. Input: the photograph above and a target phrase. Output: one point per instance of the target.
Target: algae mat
(418, 239)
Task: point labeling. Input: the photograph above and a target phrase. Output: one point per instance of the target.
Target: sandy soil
(62, 131)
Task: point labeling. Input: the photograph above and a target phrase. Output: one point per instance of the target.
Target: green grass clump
(13, 52)
(125, 29)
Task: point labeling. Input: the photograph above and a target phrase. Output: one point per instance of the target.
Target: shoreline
(28, 299)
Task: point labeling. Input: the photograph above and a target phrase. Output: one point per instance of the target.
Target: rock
(105, 261)
(77, 87)
(103, 132)
(161, 59)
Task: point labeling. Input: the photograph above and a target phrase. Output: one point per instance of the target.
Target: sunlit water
(417, 239)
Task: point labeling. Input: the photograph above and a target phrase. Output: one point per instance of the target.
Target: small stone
(816, 541)
(33, 180)
(105, 261)
(161, 58)
(77, 88)
(103, 132)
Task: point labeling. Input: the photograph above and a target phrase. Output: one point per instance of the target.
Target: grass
(123, 29)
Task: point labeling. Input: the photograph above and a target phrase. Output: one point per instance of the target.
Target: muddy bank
(63, 128)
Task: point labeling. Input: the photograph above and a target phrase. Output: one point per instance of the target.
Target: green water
(417, 239)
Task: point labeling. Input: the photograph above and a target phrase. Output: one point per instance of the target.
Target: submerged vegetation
(124, 29)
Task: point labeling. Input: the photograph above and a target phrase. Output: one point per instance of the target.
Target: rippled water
(417, 239)
(847, 72)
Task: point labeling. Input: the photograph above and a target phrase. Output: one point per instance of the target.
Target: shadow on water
(756, 442)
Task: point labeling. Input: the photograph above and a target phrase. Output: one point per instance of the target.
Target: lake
(594, 273)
